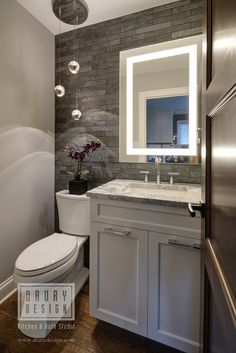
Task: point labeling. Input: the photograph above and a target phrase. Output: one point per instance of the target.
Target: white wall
(26, 133)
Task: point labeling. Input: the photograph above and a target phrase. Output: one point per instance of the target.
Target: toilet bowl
(57, 258)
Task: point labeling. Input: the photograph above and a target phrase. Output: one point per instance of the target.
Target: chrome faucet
(157, 161)
(172, 177)
(146, 175)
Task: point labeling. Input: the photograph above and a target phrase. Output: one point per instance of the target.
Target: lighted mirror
(159, 101)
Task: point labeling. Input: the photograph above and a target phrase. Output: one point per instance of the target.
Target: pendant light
(74, 69)
(74, 65)
(75, 12)
(76, 113)
(59, 89)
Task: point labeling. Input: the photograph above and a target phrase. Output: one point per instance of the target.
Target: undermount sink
(160, 189)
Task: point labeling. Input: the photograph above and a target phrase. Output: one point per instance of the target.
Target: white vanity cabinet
(145, 270)
(174, 291)
(118, 286)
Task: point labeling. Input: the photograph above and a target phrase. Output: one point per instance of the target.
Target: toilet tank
(74, 213)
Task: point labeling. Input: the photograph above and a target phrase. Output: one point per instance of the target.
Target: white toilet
(58, 258)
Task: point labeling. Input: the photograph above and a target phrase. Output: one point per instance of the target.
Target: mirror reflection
(167, 121)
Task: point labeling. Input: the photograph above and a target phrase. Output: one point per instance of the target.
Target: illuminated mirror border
(191, 50)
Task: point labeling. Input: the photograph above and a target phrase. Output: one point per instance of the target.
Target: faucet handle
(146, 172)
(172, 177)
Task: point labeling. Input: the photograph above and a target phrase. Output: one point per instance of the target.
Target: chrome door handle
(199, 207)
(189, 246)
(124, 233)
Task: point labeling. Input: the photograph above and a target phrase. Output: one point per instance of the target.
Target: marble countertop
(138, 191)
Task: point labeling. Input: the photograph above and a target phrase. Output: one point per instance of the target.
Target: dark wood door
(219, 172)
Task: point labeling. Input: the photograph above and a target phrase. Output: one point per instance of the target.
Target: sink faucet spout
(146, 175)
(157, 161)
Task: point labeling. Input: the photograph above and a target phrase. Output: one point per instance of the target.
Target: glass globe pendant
(59, 91)
(74, 67)
(76, 114)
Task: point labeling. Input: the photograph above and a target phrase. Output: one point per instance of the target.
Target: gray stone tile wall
(98, 47)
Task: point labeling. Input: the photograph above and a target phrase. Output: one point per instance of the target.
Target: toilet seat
(54, 252)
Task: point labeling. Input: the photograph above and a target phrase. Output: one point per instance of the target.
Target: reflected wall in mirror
(159, 102)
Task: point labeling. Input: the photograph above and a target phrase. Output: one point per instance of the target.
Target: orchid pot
(78, 187)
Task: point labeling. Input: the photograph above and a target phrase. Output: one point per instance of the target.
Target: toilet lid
(47, 253)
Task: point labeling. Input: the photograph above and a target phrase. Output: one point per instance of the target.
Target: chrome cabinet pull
(124, 233)
(190, 246)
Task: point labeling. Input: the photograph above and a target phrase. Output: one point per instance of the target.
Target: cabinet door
(174, 291)
(118, 276)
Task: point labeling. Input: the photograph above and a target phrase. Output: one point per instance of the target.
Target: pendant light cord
(76, 78)
(59, 76)
(75, 54)
(76, 93)
(74, 42)
(75, 31)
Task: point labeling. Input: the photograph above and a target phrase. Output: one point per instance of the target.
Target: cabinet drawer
(170, 220)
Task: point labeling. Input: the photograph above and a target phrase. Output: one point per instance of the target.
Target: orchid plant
(80, 154)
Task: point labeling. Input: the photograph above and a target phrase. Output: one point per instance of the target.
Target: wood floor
(87, 336)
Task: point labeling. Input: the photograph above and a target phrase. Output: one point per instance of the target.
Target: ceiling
(99, 11)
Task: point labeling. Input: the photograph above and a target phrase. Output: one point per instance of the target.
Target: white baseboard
(7, 288)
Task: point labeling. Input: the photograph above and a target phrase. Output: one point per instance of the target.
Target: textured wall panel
(98, 88)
